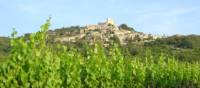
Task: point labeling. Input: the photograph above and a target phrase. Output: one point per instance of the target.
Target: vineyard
(35, 64)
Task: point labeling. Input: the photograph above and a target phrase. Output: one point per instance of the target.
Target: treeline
(185, 48)
(178, 41)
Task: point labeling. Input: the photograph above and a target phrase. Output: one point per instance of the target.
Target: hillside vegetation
(35, 63)
(183, 48)
(4, 48)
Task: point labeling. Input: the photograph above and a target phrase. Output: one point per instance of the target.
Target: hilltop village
(104, 32)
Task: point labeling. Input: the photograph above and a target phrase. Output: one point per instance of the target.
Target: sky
(157, 17)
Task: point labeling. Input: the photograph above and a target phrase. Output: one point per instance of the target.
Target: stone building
(108, 24)
(104, 32)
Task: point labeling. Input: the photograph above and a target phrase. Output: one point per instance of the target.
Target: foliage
(62, 31)
(188, 42)
(36, 64)
(4, 48)
(126, 27)
(184, 48)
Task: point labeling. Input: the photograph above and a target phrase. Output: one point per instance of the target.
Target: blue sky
(149, 16)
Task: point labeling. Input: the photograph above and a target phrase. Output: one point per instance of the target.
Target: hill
(104, 32)
(34, 63)
(182, 47)
(132, 42)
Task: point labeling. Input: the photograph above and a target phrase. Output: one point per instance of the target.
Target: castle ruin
(108, 24)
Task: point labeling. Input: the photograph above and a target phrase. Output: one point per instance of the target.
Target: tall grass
(35, 64)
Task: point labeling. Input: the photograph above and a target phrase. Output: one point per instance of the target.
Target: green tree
(126, 27)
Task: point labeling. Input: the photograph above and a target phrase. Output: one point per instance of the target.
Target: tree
(126, 27)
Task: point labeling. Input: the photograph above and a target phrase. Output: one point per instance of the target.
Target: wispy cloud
(175, 12)
(155, 16)
(164, 21)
